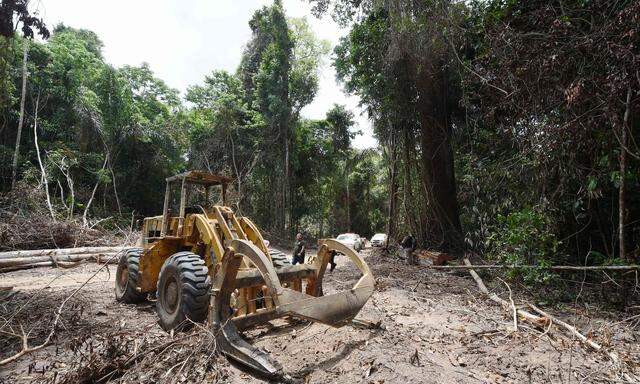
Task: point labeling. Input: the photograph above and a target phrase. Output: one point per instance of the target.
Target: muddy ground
(435, 327)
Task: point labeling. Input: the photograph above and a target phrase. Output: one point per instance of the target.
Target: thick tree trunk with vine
(409, 207)
(437, 159)
(16, 153)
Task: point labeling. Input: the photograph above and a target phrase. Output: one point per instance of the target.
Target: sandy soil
(435, 328)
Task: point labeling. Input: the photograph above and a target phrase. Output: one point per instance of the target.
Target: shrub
(526, 237)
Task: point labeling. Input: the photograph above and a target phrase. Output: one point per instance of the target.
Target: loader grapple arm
(336, 309)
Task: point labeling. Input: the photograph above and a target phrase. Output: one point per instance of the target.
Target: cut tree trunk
(54, 258)
(61, 251)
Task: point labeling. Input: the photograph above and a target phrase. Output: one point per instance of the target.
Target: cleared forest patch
(433, 327)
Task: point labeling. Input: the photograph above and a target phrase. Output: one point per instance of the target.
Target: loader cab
(185, 193)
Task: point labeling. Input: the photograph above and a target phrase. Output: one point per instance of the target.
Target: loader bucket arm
(336, 309)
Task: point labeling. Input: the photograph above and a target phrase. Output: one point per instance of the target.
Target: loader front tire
(183, 291)
(127, 277)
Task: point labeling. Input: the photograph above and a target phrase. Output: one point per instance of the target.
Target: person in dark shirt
(299, 250)
(332, 260)
(408, 245)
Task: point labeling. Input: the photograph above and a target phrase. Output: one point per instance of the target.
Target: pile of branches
(90, 352)
(26, 223)
(125, 357)
(27, 318)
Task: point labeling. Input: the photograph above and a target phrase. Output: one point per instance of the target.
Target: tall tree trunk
(437, 157)
(623, 169)
(45, 178)
(287, 186)
(409, 209)
(287, 121)
(346, 178)
(393, 187)
(16, 153)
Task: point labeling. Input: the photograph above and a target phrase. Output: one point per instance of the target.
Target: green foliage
(288, 170)
(526, 237)
(89, 111)
(125, 130)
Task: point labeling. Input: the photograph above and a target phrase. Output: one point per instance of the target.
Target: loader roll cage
(207, 180)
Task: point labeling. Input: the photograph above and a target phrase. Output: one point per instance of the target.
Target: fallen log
(60, 252)
(552, 267)
(61, 258)
(612, 355)
(548, 319)
(530, 317)
(60, 264)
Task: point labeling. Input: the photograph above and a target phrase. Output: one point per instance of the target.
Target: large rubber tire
(127, 277)
(183, 291)
(278, 258)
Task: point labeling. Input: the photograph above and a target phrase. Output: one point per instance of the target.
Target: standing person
(332, 261)
(299, 250)
(408, 245)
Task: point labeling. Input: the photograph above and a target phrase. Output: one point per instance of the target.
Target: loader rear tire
(183, 291)
(127, 277)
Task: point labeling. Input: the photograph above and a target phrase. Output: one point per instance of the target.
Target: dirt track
(436, 328)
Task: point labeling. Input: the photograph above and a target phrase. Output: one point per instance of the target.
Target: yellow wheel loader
(204, 262)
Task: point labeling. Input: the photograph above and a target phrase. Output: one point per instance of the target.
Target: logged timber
(26, 266)
(252, 277)
(552, 267)
(53, 258)
(60, 264)
(59, 252)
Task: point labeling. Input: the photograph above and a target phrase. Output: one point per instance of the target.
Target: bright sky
(184, 40)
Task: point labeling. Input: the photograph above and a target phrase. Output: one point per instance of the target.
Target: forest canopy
(516, 120)
(506, 128)
(101, 139)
